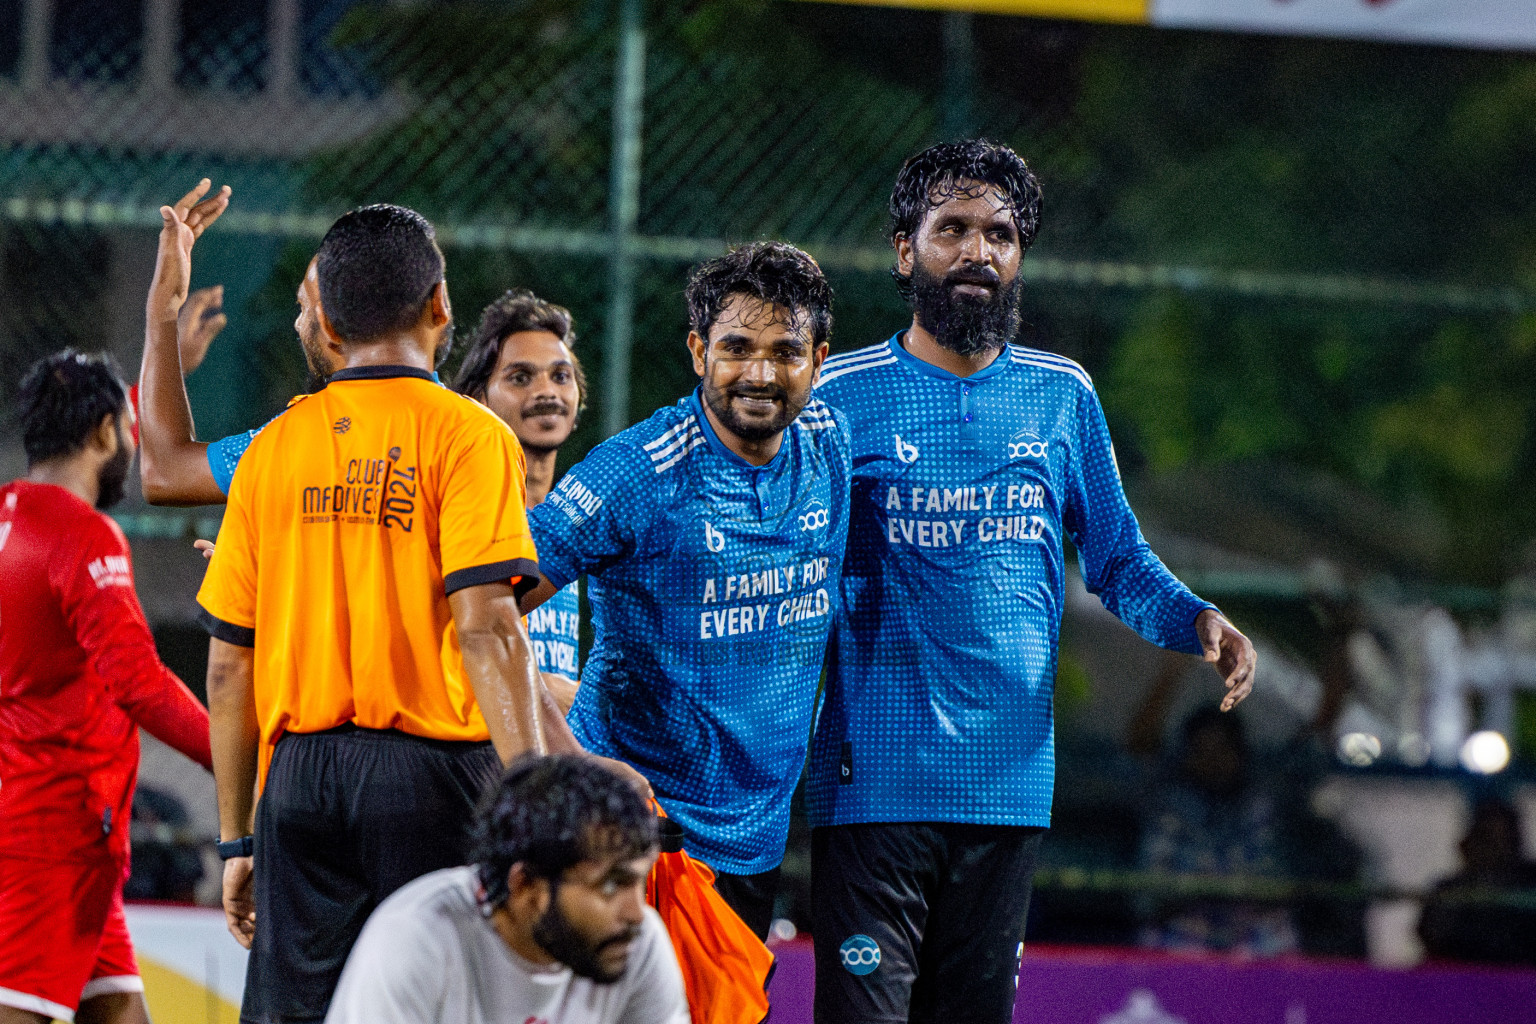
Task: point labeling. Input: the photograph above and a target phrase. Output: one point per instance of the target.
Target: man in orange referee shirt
(367, 651)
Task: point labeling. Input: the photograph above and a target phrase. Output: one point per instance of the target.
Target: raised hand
(181, 226)
(1230, 651)
(201, 320)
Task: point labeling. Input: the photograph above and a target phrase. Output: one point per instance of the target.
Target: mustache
(549, 407)
(624, 937)
(738, 391)
(973, 275)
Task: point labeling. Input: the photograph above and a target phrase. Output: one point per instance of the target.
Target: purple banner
(1092, 986)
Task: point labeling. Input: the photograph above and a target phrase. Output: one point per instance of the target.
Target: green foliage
(779, 119)
(1303, 155)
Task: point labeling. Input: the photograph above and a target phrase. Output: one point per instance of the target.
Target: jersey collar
(927, 369)
(695, 403)
(383, 373)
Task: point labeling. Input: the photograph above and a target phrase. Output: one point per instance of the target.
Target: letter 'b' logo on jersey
(713, 538)
(905, 453)
(860, 954)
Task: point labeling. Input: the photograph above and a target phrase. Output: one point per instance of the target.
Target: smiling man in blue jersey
(711, 536)
(521, 364)
(933, 760)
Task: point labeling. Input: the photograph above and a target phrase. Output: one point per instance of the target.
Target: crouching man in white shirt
(550, 923)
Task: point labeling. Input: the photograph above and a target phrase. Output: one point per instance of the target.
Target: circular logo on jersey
(1027, 444)
(860, 954)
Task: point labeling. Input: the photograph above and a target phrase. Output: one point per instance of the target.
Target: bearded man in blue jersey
(711, 536)
(933, 760)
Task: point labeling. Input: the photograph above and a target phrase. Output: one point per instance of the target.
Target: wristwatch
(241, 847)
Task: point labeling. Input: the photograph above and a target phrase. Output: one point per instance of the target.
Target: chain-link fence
(1308, 261)
(1259, 228)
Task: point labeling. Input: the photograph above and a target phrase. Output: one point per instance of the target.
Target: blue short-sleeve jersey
(940, 679)
(711, 583)
(554, 629)
(224, 455)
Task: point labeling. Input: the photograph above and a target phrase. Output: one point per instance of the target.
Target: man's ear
(333, 340)
(104, 439)
(818, 356)
(697, 347)
(442, 309)
(527, 891)
(903, 244)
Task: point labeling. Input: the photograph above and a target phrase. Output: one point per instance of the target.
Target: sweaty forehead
(747, 314)
(969, 199)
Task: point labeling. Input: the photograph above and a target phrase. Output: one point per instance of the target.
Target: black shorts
(752, 897)
(920, 921)
(347, 817)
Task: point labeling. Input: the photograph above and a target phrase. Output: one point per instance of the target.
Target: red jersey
(78, 674)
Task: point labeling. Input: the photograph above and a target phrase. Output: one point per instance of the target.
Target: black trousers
(347, 817)
(752, 897)
(920, 922)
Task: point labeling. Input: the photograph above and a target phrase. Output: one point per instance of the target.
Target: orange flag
(725, 965)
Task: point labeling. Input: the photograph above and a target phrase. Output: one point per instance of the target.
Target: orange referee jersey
(351, 518)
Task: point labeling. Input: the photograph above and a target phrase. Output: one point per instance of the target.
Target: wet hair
(773, 272)
(63, 398)
(940, 173)
(377, 266)
(550, 814)
(517, 310)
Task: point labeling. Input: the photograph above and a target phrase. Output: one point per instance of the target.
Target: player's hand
(628, 774)
(1231, 653)
(180, 226)
(205, 546)
(240, 899)
(201, 320)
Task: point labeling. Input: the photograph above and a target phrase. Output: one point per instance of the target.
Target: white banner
(1503, 24)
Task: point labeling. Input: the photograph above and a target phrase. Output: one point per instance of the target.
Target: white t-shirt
(428, 955)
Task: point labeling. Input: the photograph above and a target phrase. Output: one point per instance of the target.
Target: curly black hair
(773, 272)
(377, 266)
(65, 396)
(950, 169)
(517, 310)
(550, 814)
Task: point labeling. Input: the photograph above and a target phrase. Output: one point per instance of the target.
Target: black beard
(719, 403)
(963, 325)
(444, 347)
(313, 360)
(559, 938)
(112, 478)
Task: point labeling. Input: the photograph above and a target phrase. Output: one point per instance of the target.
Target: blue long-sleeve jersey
(941, 673)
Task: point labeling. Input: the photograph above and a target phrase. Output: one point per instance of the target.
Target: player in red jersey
(78, 676)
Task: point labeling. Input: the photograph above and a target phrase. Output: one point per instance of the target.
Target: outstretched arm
(1121, 568)
(174, 465)
(104, 613)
